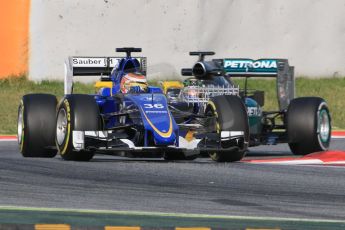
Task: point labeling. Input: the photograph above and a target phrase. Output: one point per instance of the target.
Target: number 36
(153, 106)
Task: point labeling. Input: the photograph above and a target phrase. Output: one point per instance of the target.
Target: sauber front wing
(108, 142)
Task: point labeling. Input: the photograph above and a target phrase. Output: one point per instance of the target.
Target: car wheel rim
(61, 126)
(324, 126)
(20, 125)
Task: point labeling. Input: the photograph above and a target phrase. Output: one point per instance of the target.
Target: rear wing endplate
(279, 68)
(93, 66)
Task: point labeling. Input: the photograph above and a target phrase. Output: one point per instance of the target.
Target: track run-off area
(270, 188)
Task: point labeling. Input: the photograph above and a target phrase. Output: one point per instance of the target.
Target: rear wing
(93, 66)
(278, 68)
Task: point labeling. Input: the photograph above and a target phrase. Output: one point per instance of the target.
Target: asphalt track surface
(154, 185)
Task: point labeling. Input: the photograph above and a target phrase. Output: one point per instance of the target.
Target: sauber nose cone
(156, 117)
(160, 123)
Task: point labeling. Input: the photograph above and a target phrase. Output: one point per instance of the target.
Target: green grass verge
(331, 89)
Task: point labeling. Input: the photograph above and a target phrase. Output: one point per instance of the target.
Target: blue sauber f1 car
(127, 117)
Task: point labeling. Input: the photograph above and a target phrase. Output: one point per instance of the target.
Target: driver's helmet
(133, 82)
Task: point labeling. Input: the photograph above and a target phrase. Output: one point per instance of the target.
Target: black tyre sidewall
(38, 119)
(302, 125)
(82, 115)
(231, 115)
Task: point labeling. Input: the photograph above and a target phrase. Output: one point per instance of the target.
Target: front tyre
(36, 125)
(230, 115)
(308, 125)
(80, 113)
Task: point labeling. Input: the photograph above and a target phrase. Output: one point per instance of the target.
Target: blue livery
(138, 119)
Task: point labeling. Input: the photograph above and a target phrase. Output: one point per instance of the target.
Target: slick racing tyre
(308, 125)
(230, 115)
(36, 125)
(80, 113)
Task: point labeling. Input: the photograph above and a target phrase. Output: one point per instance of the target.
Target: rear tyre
(308, 125)
(36, 125)
(80, 113)
(230, 115)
